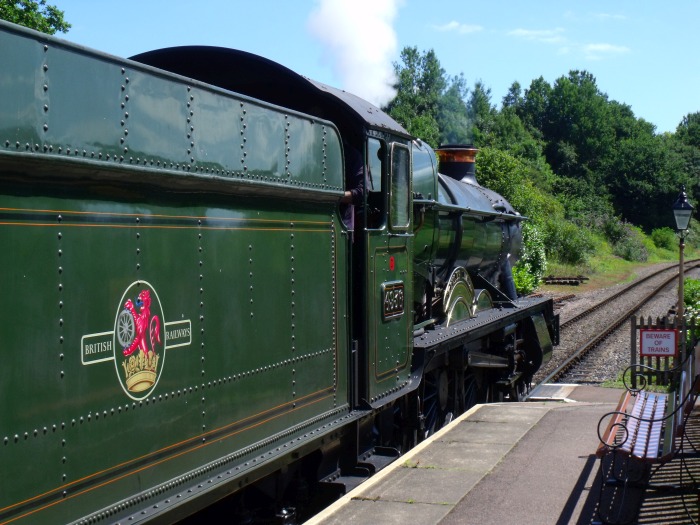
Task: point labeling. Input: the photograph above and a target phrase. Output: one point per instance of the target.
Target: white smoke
(360, 44)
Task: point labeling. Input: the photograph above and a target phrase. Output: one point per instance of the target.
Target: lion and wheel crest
(135, 323)
(138, 333)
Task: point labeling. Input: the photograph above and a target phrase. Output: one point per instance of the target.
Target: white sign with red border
(658, 342)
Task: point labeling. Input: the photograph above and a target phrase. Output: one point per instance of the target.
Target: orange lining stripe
(160, 216)
(147, 227)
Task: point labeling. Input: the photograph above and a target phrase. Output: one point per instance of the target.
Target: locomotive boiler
(193, 312)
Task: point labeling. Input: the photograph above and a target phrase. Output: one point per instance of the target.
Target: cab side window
(375, 155)
(399, 198)
(376, 152)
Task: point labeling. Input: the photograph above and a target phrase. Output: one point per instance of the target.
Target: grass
(605, 269)
(619, 383)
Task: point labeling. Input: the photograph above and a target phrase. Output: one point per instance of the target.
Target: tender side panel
(247, 339)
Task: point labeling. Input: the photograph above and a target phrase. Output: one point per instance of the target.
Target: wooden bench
(646, 429)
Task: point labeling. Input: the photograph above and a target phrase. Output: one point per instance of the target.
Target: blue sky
(641, 53)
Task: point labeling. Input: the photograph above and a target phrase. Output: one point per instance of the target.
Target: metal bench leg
(618, 478)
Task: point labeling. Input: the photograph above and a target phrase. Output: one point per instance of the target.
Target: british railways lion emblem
(138, 330)
(138, 342)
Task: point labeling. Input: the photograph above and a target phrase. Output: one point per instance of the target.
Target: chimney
(458, 161)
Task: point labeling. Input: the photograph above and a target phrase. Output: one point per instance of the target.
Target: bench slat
(610, 433)
(655, 428)
(648, 431)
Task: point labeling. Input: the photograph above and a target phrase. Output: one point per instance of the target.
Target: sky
(641, 53)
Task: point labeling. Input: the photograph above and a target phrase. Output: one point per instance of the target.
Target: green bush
(691, 292)
(691, 301)
(531, 267)
(692, 237)
(505, 174)
(525, 282)
(631, 245)
(568, 243)
(664, 238)
(614, 229)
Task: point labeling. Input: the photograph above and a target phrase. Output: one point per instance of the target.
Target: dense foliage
(691, 301)
(580, 166)
(35, 15)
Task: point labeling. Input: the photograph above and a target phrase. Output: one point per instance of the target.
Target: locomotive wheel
(405, 417)
(470, 394)
(438, 402)
(492, 393)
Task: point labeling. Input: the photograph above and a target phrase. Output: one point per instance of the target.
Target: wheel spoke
(438, 404)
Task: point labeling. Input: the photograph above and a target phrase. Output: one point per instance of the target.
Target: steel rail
(587, 347)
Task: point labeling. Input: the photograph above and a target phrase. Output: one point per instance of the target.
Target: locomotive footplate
(486, 322)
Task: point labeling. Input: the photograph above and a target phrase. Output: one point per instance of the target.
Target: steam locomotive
(188, 315)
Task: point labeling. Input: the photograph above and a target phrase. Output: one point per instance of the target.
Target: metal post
(681, 246)
(681, 300)
(633, 352)
(682, 212)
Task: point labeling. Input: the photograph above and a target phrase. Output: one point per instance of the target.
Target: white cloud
(547, 36)
(360, 44)
(600, 51)
(458, 28)
(565, 47)
(609, 16)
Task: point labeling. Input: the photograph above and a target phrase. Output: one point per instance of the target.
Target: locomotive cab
(382, 266)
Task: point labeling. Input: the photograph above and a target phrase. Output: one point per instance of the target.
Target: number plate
(393, 299)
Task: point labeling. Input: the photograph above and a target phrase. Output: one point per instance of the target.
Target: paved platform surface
(509, 463)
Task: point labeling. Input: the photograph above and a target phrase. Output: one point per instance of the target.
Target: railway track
(581, 362)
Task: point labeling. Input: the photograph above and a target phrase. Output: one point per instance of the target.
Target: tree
(563, 154)
(688, 131)
(420, 84)
(508, 175)
(514, 96)
(640, 179)
(482, 112)
(34, 15)
(578, 116)
(533, 108)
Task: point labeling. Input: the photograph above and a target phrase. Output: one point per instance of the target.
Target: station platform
(506, 463)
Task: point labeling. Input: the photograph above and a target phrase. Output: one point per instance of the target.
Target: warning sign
(658, 343)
